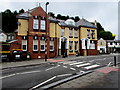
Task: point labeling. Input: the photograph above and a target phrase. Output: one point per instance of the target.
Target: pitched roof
(83, 22)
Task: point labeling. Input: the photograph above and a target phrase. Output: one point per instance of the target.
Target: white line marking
(72, 68)
(52, 68)
(42, 83)
(76, 63)
(7, 76)
(29, 72)
(109, 63)
(65, 66)
(64, 75)
(69, 62)
(83, 65)
(92, 66)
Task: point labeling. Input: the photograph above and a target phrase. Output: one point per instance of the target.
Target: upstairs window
(35, 24)
(62, 32)
(93, 34)
(70, 33)
(76, 33)
(42, 25)
(88, 34)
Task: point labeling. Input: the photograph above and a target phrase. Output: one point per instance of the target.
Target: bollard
(114, 60)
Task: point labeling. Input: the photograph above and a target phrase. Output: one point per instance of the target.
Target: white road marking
(81, 65)
(76, 63)
(65, 66)
(7, 76)
(29, 72)
(64, 75)
(72, 68)
(92, 66)
(109, 63)
(69, 62)
(52, 68)
(42, 83)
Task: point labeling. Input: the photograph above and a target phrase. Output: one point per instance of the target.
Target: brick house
(64, 37)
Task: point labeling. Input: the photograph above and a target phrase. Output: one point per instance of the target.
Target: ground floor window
(51, 45)
(24, 45)
(35, 45)
(42, 45)
(70, 45)
(76, 45)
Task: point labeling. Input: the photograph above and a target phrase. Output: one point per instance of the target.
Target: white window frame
(62, 32)
(70, 32)
(42, 42)
(75, 33)
(24, 42)
(42, 25)
(76, 45)
(35, 24)
(35, 42)
(52, 44)
(70, 44)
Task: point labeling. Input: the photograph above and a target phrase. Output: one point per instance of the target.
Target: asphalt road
(32, 77)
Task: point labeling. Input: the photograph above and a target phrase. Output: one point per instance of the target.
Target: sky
(103, 11)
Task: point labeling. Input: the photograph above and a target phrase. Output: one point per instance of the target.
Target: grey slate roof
(81, 22)
(85, 23)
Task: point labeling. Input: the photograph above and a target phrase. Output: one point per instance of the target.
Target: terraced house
(63, 37)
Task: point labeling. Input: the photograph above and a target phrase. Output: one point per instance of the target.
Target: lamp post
(46, 33)
(86, 40)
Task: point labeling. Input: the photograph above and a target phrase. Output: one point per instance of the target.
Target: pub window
(51, 45)
(9, 37)
(70, 45)
(76, 45)
(76, 33)
(24, 45)
(93, 34)
(71, 33)
(62, 32)
(88, 34)
(42, 25)
(35, 45)
(42, 45)
(35, 24)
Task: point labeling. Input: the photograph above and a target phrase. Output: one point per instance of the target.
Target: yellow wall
(52, 29)
(83, 33)
(23, 28)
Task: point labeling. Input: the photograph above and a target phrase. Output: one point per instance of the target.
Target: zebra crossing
(74, 65)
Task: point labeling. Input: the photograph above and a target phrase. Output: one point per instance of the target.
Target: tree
(9, 21)
(21, 11)
(51, 14)
(106, 35)
(77, 18)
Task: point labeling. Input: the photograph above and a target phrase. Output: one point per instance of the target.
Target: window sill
(70, 36)
(52, 51)
(75, 37)
(43, 30)
(70, 50)
(42, 51)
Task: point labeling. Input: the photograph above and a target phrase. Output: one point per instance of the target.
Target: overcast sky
(104, 12)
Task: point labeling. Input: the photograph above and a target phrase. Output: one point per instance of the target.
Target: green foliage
(9, 21)
(106, 35)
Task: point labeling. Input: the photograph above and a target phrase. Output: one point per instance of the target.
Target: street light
(46, 33)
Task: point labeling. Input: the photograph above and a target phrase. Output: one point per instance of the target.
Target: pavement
(99, 79)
